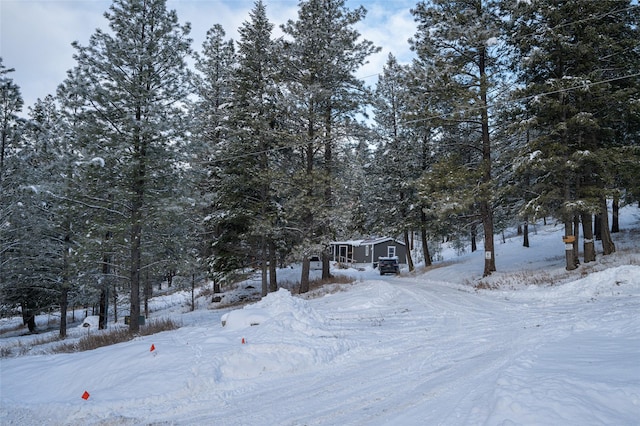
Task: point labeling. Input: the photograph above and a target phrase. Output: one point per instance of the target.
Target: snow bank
(278, 334)
(280, 308)
(92, 321)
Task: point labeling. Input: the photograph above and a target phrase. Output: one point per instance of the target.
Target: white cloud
(36, 40)
(36, 35)
(389, 25)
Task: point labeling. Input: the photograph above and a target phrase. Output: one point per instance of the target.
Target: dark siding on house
(382, 250)
(362, 253)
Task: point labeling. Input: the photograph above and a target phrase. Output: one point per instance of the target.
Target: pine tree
(38, 266)
(37, 253)
(214, 89)
(248, 155)
(213, 85)
(85, 184)
(11, 103)
(397, 167)
(136, 78)
(58, 170)
(11, 175)
(321, 58)
(458, 39)
(576, 62)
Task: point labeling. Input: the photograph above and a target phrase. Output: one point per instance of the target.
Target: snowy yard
(411, 350)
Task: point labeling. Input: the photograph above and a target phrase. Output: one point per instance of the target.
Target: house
(368, 251)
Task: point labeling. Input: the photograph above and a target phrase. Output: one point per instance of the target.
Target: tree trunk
(474, 233)
(115, 304)
(273, 263)
(588, 245)
(423, 236)
(485, 203)
(615, 218)
(487, 222)
(193, 292)
(326, 263)
(170, 274)
(64, 291)
(576, 233)
(147, 294)
(597, 226)
(104, 288)
(608, 247)
(304, 278)
(29, 316)
(525, 232)
(408, 246)
(102, 308)
(568, 246)
(328, 171)
(136, 265)
(308, 220)
(264, 259)
(64, 300)
(138, 189)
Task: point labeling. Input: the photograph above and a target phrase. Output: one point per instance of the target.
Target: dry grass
(510, 280)
(317, 288)
(320, 287)
(21, 348)
(434, 266)
(91, 341)
(519, 279)
(13, 329)
(98, 340)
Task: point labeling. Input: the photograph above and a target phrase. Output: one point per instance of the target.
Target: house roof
(367, 242)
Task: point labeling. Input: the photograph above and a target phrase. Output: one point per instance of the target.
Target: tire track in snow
(452, 339)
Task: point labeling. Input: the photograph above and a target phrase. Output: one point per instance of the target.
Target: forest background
(142, 168)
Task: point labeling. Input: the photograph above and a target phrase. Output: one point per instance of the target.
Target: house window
(391, 251)
(366, 251)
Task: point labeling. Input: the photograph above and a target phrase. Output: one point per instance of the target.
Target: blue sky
(36, 35)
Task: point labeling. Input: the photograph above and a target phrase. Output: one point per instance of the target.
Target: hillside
(532, 344)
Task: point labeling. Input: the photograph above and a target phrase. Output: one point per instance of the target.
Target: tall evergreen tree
(38, 274)
(576, 61)
(58, 164)
(136, 80)
(247, 158)
(90, 197)
(458, 38)
(34, 256)
(215, 65)
(322, 55)
(11, 103)
(11, 169)
(397, 167)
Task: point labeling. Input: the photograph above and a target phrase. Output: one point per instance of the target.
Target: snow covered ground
(546, 348)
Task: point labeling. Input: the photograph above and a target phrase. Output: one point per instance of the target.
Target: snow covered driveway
(407, 351)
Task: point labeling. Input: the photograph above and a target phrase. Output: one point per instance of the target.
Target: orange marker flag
(85, 395)
(153, 348)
